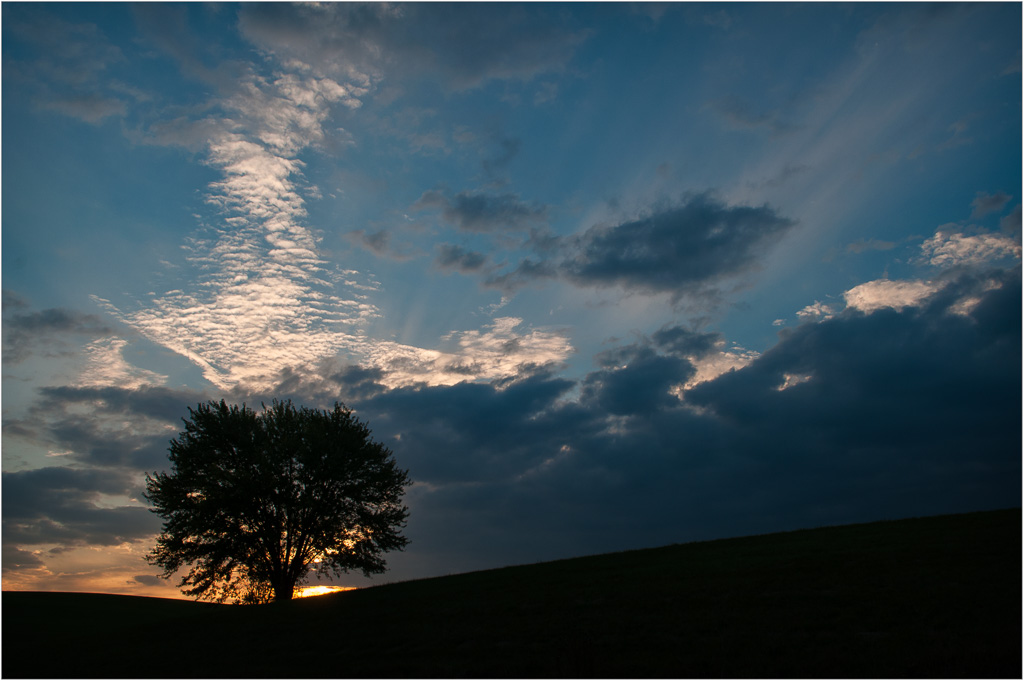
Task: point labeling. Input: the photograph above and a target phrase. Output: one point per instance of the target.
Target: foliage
(256, 501)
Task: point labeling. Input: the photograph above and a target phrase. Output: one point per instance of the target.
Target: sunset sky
(603, 276)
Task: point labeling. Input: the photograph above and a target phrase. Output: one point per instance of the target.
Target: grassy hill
(926, 597)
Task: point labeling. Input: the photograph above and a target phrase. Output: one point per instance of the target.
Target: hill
(926, 597)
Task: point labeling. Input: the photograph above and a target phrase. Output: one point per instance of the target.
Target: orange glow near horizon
(320, 590)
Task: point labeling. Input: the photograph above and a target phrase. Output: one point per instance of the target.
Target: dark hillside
(929, 597)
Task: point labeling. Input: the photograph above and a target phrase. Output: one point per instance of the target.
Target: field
(926, 597)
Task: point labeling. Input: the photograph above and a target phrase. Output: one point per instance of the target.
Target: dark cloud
(15, 559)
(58, 505)
(640, 387)
(682, 250)
(13, 301)
(330, 381)
(381, 244)
(686, 343)
(859, 417)
(149, 580)
(463, 46)
(676, 250)
(452, 257)
(150, 402)
(472, 432)
(481, 212)
(109, 438)
(375, 241)
(88, 424)
(25, 333)
(59, 320)
(898, 414)
(985, 203)
(1011, 223)
(356, 382)
(528, 270)
(919, 390)
(620, 356)
(64, 64)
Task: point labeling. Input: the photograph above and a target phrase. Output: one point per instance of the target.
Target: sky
(602, 276)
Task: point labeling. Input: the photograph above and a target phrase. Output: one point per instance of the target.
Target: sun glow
(320, 590)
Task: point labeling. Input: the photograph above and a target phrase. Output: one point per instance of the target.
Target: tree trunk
(284, 591)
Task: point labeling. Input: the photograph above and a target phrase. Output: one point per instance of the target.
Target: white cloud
(789, 380)
(496, 352)
(817, 310)
(948, 248)
(106, 366)
(716, 363)
(263, 299)
(883, 293)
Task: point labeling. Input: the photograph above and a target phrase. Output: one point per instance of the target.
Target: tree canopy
(255, 501)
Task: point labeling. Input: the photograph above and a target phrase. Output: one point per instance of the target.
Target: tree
(255, 501)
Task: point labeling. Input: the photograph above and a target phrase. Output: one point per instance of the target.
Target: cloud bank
(687, 249)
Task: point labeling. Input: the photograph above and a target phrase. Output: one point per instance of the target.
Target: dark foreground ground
(931, 597)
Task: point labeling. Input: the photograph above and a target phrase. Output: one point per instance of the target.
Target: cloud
(16, 559)
(110, 427)
(66, 65)
(817, 310)
(262, 297)
(91, 108)
(381, 244)
(947, 249)
(59, 505)
(529, 270)
(486, 432)
(897, 413)
(883, 293)
(705, 353)
(14, 301)
(29, 332)
(641, 387)
(106, 437)
(106, 366)
(1011, 223)
(481, 212)
(985, 203)
(686, 343)
(894, 379)
(149, 580)
(915, 410)
(452, 257)
(675, 250)
(498, 352)
(463, 46)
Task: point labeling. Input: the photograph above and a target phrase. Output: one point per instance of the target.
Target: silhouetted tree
(255, 501)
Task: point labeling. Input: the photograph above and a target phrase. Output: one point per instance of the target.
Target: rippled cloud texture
(602, 276)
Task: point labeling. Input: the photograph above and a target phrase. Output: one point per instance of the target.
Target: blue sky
(603, 276)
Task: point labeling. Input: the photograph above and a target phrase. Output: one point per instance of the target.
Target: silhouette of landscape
(925, 597)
